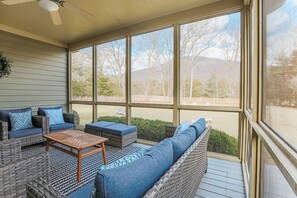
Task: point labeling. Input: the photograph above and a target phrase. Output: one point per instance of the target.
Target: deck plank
(223, 179)
(228, 186)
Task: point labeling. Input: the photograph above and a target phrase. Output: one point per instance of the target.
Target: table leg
(104, 154)
(79, 159)
(47, 145)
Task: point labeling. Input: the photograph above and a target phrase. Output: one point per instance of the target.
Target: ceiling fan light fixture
(49, 5)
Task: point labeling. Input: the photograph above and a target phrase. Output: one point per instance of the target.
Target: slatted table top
(76, 139)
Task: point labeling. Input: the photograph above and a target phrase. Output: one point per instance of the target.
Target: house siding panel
(39, 74)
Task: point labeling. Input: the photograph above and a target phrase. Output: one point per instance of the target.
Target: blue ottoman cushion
(134, 179)
(24, 133)
(119, 129)
(4, 115)
(99, 125)
(199, 126)
(66, 125)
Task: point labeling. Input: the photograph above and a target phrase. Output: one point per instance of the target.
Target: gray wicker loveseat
(186, 168)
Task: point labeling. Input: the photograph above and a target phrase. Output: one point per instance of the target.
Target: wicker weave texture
(3, 130)
(120, 141)
(15, 175)
(10, 151)
(184, 177)
(93, 132)
(169, 131)
(39, 188)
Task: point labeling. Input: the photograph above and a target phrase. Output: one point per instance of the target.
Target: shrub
(153, 130)
(221, 142)
(117, 119)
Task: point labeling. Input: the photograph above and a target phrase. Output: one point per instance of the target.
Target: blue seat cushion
(119, 129)
(24, 133)
(85, 191)
(99, 125)
(199, 126)
(4, 115)
(42, 112)
(134, 179)
(66, 125)
(182, 141)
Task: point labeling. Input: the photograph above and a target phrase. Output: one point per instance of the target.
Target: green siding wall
(39, 74)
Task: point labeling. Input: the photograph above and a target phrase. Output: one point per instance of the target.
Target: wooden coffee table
(79, 141)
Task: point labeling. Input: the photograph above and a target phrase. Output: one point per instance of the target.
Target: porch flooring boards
(223, 179)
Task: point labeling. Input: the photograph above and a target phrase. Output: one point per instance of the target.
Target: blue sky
(283, 18)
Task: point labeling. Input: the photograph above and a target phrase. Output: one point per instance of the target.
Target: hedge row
(154, 130)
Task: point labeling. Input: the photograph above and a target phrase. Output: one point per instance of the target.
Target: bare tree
(195, 39)
(111, 61)
(230, 44)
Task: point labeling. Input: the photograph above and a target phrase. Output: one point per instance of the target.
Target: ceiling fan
(52, 6)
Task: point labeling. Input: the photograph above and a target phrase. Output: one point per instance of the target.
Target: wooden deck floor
(223, 179)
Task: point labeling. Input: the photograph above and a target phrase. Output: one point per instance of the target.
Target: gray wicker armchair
(16, 171)
(37, 121)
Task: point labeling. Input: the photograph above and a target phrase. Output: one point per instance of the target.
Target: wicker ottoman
(119, 135)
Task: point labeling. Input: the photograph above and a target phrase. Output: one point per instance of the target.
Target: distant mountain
(205, 67)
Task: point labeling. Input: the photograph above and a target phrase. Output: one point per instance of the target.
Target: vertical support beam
(128, 79)
(258, 174)
(255, 170)
(244, 64)
(95, 83)
(69, 78)
(176, 75)
(256, 87)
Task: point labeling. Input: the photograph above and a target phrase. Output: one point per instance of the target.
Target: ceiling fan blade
(14, 2)
(78, 10)
(56, 18)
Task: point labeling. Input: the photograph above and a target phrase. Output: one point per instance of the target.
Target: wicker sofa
(16, 171)
(181, 179)
(27, 137)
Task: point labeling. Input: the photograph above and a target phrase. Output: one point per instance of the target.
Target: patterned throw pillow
(21, 120)
(55, 116)
(124, 160)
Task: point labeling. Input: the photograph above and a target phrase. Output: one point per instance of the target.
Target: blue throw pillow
(22, 120)
(124, 160)
(199, 126)
(183, 126)
(55, 116)
(182, 141)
